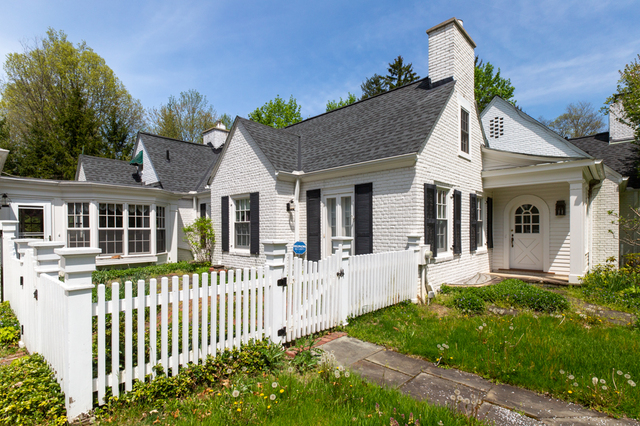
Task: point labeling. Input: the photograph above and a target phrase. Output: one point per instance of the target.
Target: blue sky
(240, 54)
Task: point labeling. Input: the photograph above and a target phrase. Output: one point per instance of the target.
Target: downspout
(296, 212)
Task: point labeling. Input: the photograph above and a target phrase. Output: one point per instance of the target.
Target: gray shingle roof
(107, 170)
(391, 124)
(188, 166)
(621, 157)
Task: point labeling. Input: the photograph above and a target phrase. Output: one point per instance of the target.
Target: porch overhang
(565, 171)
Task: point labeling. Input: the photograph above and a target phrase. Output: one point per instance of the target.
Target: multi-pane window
(30, 222)
(527, 219)
(139, 228)
(110, 228)
(78, 232)
(242, 223)
(479, 232)
(464, 130)
(161, 232)
(442, 220)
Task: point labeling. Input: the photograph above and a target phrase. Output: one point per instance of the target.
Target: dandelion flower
(337, 374)
(619, 373)
(229, 371)
(575, 384)
(235, 393)
(480, 328)
(511, 327)
(571, 377)
(594, 381)
(484, 324)
(561, 371)
(602, 381)
(444, 345)
(274, 385)
(452, 397)
(290, 370)
(239, 409)
(281, 390)
(457, 392)
(466, 400)
(627, 376)
(268, 406)
(459, 397)
(272, 396)
(604, 388)
(347, 374)
(570, 392)
(632, 383)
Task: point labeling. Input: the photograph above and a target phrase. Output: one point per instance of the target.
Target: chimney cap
(456, 22)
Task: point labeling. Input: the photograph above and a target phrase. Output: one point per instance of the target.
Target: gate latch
(341, 273)
(282, 332)
(35, 294)
(282, 282)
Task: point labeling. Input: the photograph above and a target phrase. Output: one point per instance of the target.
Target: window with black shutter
(430, 217)
(363, 218)
(490, 223)
(457, 222)
(313, 225)
(224, 209)
(254, 201)
(473, 222)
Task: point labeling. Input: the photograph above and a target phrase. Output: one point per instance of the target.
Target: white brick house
(416, 162)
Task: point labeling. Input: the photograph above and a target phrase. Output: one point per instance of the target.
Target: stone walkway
(503, 404)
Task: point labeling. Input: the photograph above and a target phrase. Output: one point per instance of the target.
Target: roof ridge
(171, 139)
(359, 101)
(588, 136)
(284, 129)
(102, 158)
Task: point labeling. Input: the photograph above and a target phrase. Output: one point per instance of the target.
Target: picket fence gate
(173, 322)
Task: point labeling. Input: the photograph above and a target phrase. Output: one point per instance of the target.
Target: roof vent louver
(496, 127)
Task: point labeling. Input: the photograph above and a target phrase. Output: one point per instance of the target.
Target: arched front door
(526, 249)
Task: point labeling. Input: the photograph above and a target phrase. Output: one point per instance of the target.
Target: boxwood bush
(9, 326)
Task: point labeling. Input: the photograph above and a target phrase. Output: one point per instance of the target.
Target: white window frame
(122, 228)
(162, 217)
(463, 104)
(445, 253)
(85, 227)
(145, 229)
(338, 194)
(233, 248)
(482, 221)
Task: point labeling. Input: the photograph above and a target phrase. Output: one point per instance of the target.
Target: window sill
(124, 260)
(464, 155)
(481, 250)
(443, 257)
(240, 252)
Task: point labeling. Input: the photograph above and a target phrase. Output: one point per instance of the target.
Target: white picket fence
(180, 320)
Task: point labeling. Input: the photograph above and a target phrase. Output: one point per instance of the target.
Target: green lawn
(559, 354)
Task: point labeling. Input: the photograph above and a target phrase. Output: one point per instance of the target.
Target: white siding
(149, 175)
(619, 131)
(523, 135)
(559, 251)
(186, 216)
(604, 244)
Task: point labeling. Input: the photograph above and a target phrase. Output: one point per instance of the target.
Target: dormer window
(496, 127)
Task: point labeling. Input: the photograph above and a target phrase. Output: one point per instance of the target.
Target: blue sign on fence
(299, 248)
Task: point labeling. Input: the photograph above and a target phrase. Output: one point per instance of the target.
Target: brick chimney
(451, 54)
(618, 132)
(215, 135)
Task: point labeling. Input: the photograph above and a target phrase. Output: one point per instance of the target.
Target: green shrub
(9, 325)
(514, 293)
(29, 394)
(608, 285)
(469, 302)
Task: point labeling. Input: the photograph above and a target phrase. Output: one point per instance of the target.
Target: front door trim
(544, 224)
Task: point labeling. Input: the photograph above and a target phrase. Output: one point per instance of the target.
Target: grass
(616, 288)
(315, 398)
(530, 350)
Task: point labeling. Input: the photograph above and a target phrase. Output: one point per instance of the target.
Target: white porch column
(275, 252)
(578, 220)
(77, 383)
(414, 245)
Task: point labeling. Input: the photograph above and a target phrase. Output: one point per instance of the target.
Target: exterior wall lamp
(6, 201)
(561, 208)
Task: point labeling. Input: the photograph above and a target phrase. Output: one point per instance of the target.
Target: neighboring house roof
(391, 124)
(107, 170)
(187, 166)
(621, 157)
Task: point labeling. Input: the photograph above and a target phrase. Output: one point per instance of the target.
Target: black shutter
(457, 222)
(224, 208)
(254, 206)
(490, 223)
(313, 225)
(364, 218)
(473, 222)
(431, 217)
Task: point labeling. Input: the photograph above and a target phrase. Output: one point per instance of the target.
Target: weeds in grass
(610, 286)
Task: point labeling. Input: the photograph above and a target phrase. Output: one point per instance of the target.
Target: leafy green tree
(331, 105)
(201, 238)
(53, 83)
(628, 94)
(488, 85)
(277, 113)
(578, 120)
(184, 117)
